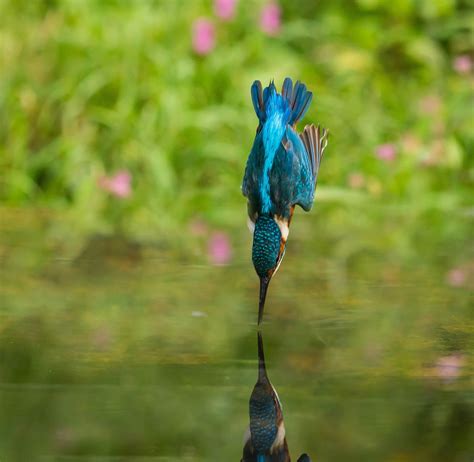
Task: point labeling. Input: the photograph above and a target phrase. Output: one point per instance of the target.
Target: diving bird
(281, 172)
(265, 440)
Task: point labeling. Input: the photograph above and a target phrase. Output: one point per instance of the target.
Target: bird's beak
(264, 281)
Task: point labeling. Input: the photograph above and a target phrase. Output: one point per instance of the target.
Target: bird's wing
(291, 178)
(315, 142)
(252, 176)
(293, 175)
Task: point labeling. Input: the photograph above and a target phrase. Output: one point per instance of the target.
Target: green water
(122, 351)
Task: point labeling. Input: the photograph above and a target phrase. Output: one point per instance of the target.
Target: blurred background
(128, 300)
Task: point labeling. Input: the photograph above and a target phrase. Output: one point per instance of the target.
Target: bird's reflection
(265, 440)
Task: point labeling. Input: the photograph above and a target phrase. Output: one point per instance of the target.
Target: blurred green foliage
(88, 88)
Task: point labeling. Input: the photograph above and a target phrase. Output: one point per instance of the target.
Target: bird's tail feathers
(260, 98)
(298, 98)
(315, 141)
(257, 99)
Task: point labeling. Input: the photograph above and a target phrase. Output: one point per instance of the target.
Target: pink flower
(462, 64)
(356, 180)
(219, 249)
(119, 185)
(430, 104)
(204, 37)
(270, 19)
(411, 143)
(386, 152)
(449, 367)
(456, 277)
(225, 9)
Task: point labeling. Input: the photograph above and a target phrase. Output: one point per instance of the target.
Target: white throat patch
(283, 225)
(250, 225)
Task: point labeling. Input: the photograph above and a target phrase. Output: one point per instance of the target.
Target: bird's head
(267, 252)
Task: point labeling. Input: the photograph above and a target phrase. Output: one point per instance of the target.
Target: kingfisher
(281, 172)
(265, 440)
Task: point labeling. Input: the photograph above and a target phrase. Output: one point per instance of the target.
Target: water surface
(123, 351)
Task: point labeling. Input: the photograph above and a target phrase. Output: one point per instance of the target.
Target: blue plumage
(266, 245)
(281, 170)
(263, 418)
(277, 116)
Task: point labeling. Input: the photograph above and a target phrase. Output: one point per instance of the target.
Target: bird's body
(265, 440)
(281, 172)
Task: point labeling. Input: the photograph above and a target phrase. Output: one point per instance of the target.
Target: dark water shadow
(265, 439)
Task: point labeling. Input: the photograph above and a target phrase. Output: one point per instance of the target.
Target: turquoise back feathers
(277, 116)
